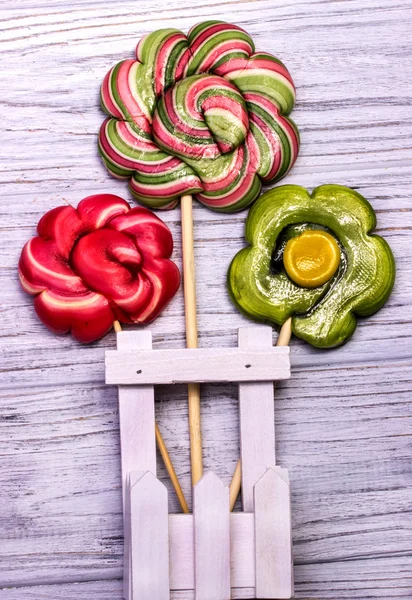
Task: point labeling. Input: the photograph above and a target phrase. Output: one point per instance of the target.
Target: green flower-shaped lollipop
(312, 257)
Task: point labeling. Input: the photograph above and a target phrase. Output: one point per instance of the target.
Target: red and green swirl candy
(201, 114)
(101, 262)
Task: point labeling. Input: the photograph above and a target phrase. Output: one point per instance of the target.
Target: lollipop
(99, 264)
(312, 258)
(201, 114)
(96, 264)
(311, 265)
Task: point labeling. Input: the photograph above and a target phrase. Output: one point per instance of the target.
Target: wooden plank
(203, 365)
(149, 542)
(317, 581)
(136, 415)
(92, 590)
(350, 428)
(343, 419)
(257, 419)
(273, 536)
(211, 515)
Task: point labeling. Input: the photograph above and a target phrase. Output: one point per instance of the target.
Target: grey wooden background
(344, 419)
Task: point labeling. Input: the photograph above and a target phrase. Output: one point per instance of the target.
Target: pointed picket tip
(271, 476)
(147, 479)
(210, 480)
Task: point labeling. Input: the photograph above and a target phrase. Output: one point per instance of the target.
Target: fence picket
(137, 439)
(257, 419)
(273, 536)
(136, 414)
(149, 539)
(211, 516)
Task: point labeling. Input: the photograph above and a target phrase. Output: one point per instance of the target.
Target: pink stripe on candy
(235, 108)
(243, 64)
(108, 103)
(204, 83)
(162, 60)
(171, 189)
(165, 164)
(227, 180)
(224, 48)
(233, 196)
(166, 139)
(235, 64)
(134, 109)
(211, 31)
(176, 121)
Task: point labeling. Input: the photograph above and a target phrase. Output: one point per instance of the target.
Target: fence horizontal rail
(201, 365)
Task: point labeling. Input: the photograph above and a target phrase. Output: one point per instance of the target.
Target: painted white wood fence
(212, 552)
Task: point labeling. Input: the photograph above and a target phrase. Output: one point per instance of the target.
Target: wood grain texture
(256, 420)
(201, 365)
(343, 421)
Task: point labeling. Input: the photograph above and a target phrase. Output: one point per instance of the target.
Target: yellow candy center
(311, 258)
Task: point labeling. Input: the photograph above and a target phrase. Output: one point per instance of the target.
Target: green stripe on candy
(267, 56)
(157, 179)
(174, 58)
(212, 169)
(163, 177)
(197, 29)
(264, 147)
(265, 151)
(208, 46)
(186, 138)
(120, 172)
(153, 201)
(148, 51)
(132, 152)
(245, 200)
(232, 56)
(268, 84)
(224, 129)
(116, 96)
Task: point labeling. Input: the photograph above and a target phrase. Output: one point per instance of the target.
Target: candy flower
(96, 264)
(203, 114)
(313, 258)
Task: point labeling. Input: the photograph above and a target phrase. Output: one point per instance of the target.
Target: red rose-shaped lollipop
(96, 264)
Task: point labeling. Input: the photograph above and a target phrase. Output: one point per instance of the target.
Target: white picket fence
(215, 553)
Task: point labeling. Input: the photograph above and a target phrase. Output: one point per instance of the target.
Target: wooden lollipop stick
(235, 485)
(164, 453)
(283, 340)
(189, 282)
(171, 470)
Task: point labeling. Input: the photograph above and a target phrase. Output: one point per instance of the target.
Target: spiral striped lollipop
(96, 264)
(203, 114)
